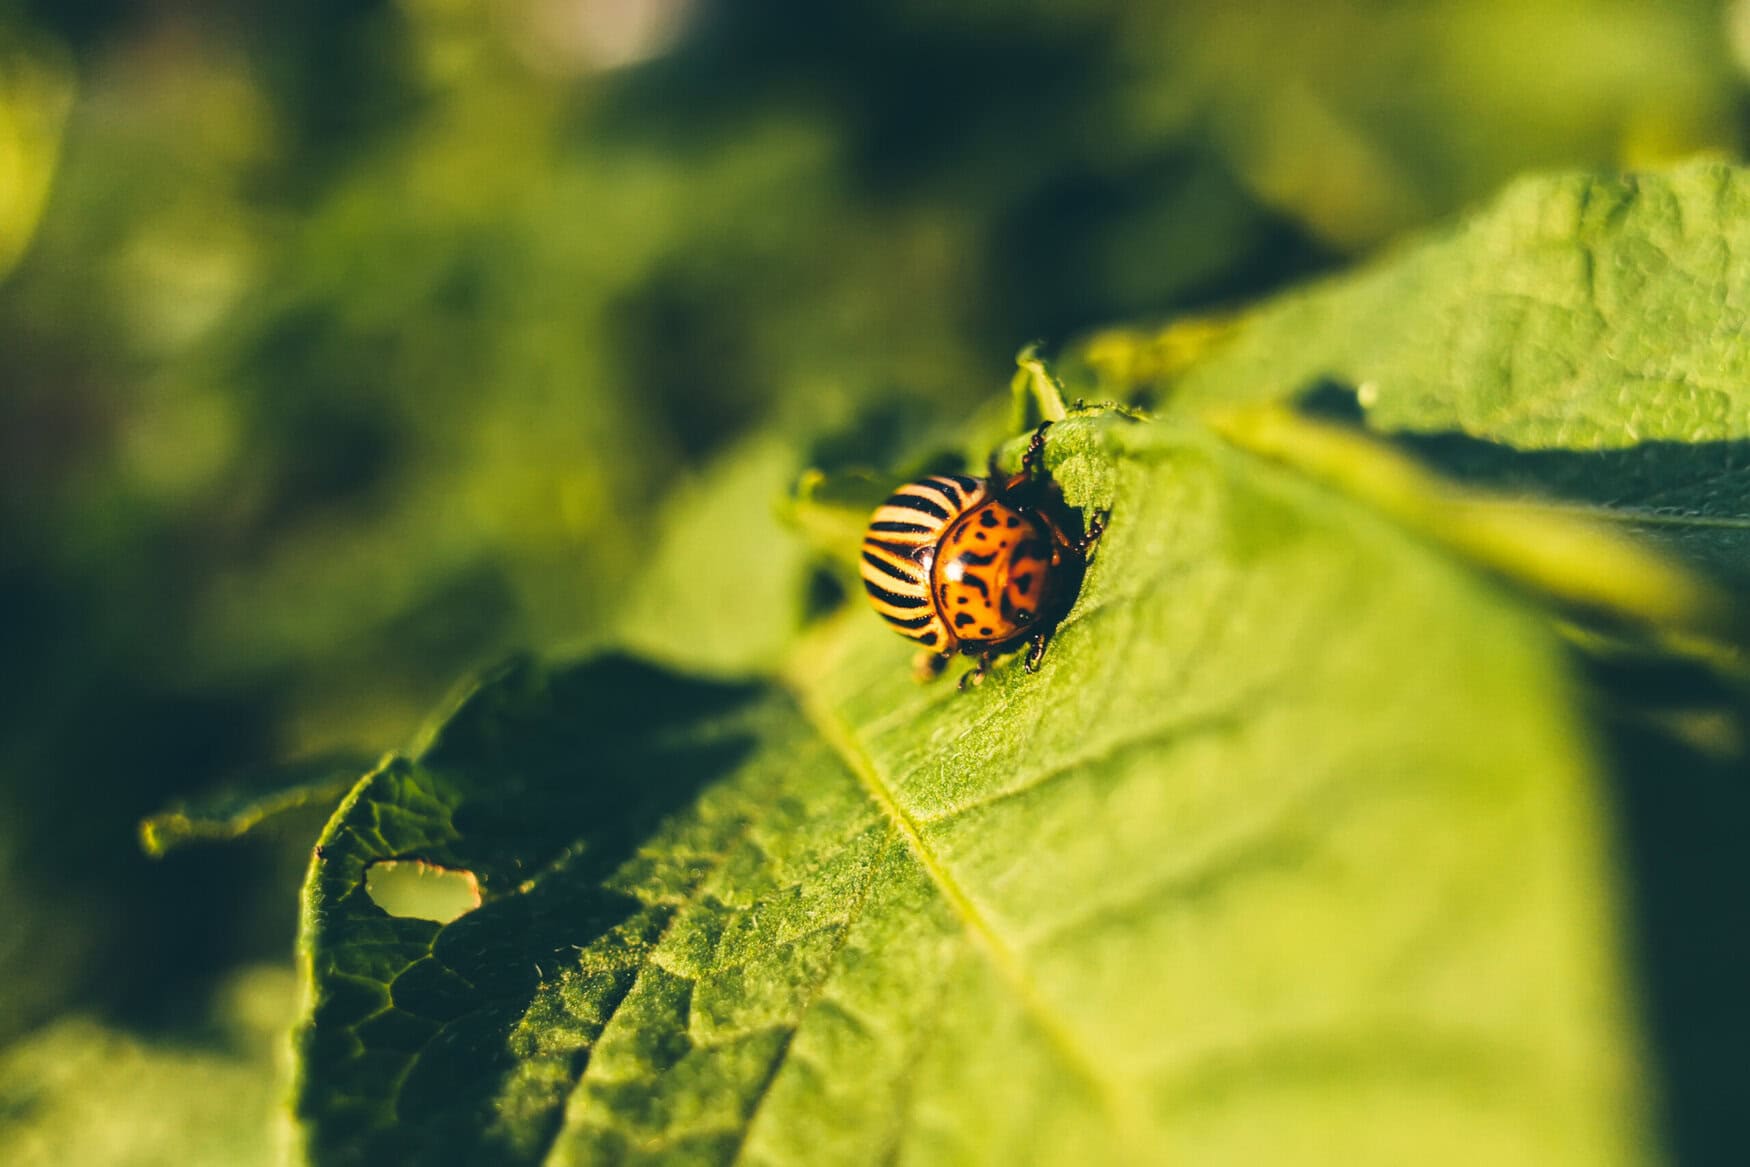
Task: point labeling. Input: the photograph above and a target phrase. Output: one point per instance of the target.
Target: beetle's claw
(1096, 528)
(1035, 653)
(975, 674)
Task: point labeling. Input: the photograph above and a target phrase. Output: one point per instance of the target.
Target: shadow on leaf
(543, 783)
(1676, 736)
(1691, 499)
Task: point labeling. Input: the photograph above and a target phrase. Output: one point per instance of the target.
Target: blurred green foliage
(345, 345)
(76, 1091)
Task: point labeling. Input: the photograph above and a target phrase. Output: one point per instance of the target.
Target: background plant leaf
(724, 528)
(1582, 338)
(1141, 904)
(296, 789)
(79, 1091)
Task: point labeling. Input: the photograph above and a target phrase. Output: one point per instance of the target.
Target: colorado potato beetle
(977, 565)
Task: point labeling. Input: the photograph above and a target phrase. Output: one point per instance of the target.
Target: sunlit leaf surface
(1584, 339)
(1144, 903)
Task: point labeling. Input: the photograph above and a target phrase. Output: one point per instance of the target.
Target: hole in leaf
(421, 890)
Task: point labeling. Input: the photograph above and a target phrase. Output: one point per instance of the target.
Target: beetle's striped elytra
(975, 565)
(899, 551)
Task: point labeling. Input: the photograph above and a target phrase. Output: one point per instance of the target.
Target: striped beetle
(977, 565)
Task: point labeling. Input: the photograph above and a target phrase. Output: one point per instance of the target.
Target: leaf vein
(1064, 1040)
(740, 832)
(779, 1062)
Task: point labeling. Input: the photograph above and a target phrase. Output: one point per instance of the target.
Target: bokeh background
(347, 344)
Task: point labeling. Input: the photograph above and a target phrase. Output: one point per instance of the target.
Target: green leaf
(724, 527)
(1582, 566)
(1582, 338)
(1292, 851)
(311, 785)
(77, 1091)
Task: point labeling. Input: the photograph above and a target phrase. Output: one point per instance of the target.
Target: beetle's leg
(975, 674)
(1033, 461)
(1036, 651)
(1096, 528)
(927, 665)
(1060, 540)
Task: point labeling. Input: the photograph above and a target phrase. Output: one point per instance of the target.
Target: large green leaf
(1584, 338)
(1291, 851)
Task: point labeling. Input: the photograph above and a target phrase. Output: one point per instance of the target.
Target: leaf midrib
(1004, 960)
